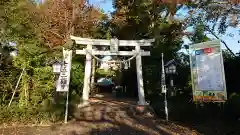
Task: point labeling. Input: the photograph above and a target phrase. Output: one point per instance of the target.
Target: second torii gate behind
(114, 44)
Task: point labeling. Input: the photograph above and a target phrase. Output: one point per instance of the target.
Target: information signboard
(64, 78)
(207, 70)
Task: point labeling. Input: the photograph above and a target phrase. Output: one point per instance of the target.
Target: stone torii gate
(114, 46)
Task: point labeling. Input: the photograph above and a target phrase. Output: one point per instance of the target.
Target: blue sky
(232, 41)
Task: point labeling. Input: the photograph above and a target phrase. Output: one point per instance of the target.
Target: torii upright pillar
(87, 75)
(141, 94)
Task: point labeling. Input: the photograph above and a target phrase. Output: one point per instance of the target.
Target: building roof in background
(170, 62)
(107, 58)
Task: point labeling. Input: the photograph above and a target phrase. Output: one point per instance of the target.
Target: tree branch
(225, 44)
(55, 34)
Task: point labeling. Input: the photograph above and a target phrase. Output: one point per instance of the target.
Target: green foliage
(143, 20)
(33, 101)
(7, 77)
(103, 73)
(42, 86)
(26, 115)
(192, 112)
(17, 22)
(77, 76)
(199, 35)
(233, 105)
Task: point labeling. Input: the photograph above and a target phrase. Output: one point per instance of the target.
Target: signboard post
(207, 71)
(64, 78)
(164, 89)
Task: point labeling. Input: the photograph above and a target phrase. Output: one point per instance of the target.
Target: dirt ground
(106, 116)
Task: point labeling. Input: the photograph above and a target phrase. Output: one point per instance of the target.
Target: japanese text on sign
(64, 78)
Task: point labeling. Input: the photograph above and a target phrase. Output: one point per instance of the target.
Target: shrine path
(105, 116)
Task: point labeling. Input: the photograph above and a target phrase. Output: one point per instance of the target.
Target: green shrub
(232, 106)
(26, 115)
(103, 73)
(42, 86)
(77, 76)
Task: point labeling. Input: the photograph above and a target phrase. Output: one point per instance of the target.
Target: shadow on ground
(106, 116)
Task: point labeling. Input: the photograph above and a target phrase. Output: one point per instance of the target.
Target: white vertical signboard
(64, 78)
(207, 69)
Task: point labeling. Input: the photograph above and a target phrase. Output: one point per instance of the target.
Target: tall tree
(60, 19)
(217, 17)
(37, 30)
(141, 19)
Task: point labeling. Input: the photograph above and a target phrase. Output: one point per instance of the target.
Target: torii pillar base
(83, 104)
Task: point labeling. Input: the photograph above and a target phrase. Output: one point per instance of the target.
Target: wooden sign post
(64, 78)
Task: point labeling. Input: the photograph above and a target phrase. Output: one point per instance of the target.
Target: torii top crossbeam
(102, 42)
